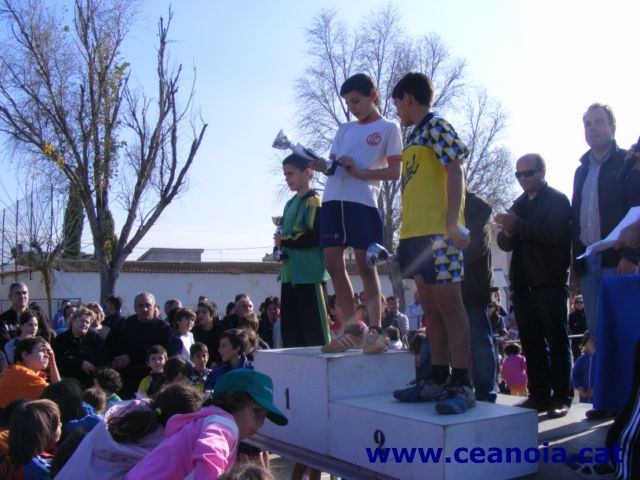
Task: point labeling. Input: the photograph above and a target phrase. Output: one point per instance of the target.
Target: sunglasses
(526, 173)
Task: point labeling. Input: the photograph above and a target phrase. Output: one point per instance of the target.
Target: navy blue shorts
(434, 257)
(349, 224)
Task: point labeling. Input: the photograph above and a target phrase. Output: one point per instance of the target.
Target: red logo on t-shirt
(374, 139)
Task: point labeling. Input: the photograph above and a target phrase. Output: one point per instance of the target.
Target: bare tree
(32, 228)
(489, 167)
(64, 92)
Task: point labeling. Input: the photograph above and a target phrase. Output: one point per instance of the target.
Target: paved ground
(572, 433)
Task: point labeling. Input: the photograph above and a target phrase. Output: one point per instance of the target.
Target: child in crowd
(156, 358)
(28, 326)
(97, 325)
(514, 370)
(75, 415)
(252, 322)
(27, 378)
(304, 318)
(393, 334)
(247, 471)
(235, 345)
(199, 358)
(130, 431)
(96, 398)
(513, 335)
(181, 339)
(369, 151)
(5, 418)
(204, 444)
(208, 329)
(432, 239)
(110, 382)
(34, 430)
(177, 370)
(584, 369)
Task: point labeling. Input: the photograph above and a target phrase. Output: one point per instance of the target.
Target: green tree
(65, 92)
(72, 224)
(380, 47)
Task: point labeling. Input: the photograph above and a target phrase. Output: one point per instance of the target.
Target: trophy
(377, 254)
(282, 142)
(278, 253)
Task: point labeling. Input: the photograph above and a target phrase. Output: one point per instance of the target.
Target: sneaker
(375, 342)
(353, 337)
(422, 391)
(410, 394)
(459, 398)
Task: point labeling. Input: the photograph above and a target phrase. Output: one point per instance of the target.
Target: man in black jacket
(19, 297)
(537, 230)
(129, 340)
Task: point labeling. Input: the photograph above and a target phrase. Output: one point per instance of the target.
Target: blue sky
(544, 61)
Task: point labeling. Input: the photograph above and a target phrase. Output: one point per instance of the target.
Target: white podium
(340, 407)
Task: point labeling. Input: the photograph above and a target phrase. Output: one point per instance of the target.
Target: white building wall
(220, 288)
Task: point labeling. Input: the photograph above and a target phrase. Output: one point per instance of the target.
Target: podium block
(378, 421)
(341, 409)
(306, 381)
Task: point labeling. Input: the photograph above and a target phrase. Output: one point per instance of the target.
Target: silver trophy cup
(377, 254)
(283, 142)
(278, 253)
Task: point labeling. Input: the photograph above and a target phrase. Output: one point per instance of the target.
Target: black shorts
(349, 224)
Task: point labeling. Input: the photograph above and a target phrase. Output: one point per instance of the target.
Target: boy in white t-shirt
(369, 150)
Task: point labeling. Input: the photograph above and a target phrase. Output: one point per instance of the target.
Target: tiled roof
(88, 266)
(229, 268)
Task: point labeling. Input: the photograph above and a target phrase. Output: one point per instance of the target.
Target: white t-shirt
(187, 341)
(370, 145)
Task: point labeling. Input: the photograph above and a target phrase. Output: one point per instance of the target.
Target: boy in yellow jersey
(432, 238)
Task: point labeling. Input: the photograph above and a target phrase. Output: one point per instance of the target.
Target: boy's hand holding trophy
(316, 162)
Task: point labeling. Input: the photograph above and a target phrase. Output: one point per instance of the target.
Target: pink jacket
(514, 371)
(200, 445)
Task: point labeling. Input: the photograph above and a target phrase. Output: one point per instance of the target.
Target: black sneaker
(459, 398)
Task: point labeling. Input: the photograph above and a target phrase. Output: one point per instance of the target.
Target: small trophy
(282, 142)
(377, 254)
(278, 253)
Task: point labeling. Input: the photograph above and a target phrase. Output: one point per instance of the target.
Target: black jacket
(71, 352)
(478, 274)
(615, 197)
(541, 243)
(132, 337)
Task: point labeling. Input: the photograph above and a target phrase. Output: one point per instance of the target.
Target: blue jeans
(590, 288)
(483, 357)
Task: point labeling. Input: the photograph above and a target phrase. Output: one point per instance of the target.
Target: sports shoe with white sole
(352, 338)
(375, 342)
